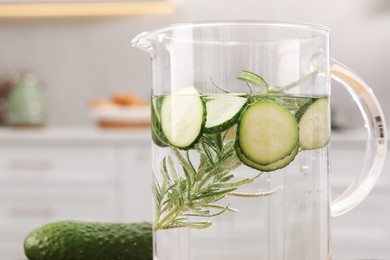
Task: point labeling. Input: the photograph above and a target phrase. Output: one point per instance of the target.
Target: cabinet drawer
(137, 185)
(23, 210)
(21, 207)
(56, 164)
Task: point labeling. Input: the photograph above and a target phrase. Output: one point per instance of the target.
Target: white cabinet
(78, 174)
(62, 163)
(137, 178)
(364, 232)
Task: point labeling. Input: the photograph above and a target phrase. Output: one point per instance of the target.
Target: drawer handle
(30, 212)
(29, 165)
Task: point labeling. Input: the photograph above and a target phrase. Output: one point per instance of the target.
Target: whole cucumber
(77, 240)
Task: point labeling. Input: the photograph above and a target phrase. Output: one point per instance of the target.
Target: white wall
(79, 59)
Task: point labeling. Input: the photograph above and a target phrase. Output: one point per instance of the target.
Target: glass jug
(240, 127)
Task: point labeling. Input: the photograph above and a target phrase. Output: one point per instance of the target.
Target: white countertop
(96, 135)
(74, 134)
(121, 133)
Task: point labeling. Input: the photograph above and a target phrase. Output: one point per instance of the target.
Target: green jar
(26, 103)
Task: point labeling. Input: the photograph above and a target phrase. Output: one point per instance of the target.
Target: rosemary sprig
(182, 199)
(253, 79)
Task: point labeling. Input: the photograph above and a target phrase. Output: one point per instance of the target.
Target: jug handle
(376, 146)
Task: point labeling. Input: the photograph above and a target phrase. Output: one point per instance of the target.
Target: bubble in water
(304, 169)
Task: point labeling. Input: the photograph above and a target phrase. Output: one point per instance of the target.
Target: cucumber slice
(223, 111)
(156, 106)
(157, 136)
(267, 132)
(314, 124)
(270, 167)
(299, 113)
(183, 117)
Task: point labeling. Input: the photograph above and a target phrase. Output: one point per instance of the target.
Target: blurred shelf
(84, 9)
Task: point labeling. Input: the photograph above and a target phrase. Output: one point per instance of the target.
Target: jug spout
(142, 41)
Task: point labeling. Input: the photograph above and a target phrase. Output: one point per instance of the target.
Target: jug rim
(301, 30)
(220, 23)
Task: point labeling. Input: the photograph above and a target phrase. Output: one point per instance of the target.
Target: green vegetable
(183, 117)
(267, 132)
(270, 167)
(76, 240)
(157, 135)
(223, 111)
(314, 124)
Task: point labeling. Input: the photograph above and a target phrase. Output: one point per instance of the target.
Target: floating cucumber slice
(223, 111)
(267, 132)
(314, 124)
(157, 135)
(270, 167)
(183, 117)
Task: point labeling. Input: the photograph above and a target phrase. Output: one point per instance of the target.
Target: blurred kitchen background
(72, 167)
